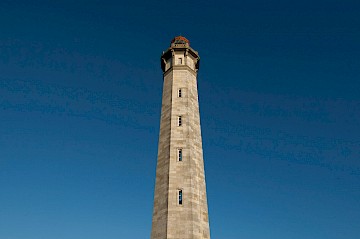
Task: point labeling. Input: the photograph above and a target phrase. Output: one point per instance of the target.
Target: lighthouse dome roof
(180, 40)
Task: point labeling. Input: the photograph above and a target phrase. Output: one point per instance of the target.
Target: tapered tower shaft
(180, 203)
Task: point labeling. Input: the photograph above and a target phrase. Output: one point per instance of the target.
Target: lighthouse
(180, 203)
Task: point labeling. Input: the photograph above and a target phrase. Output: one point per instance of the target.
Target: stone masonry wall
(171, 220)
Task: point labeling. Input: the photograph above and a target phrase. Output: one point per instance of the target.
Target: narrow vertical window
(180, 61)
(179, 121)
(179, 93)
(180, 155)
(180, 197)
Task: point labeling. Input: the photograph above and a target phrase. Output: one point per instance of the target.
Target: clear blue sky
(80, 98)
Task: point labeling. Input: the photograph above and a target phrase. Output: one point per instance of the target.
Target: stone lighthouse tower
(180, 204)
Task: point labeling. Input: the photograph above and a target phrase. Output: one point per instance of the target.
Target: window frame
(180, 197)
(179, 120)
(180, 155)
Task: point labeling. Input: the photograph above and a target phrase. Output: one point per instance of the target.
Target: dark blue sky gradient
(80, 98)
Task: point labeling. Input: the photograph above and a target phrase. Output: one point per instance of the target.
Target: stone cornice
(166, 54)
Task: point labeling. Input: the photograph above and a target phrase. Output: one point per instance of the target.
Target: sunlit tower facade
(180, 202)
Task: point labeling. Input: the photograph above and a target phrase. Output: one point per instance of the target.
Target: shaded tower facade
(180, 203)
